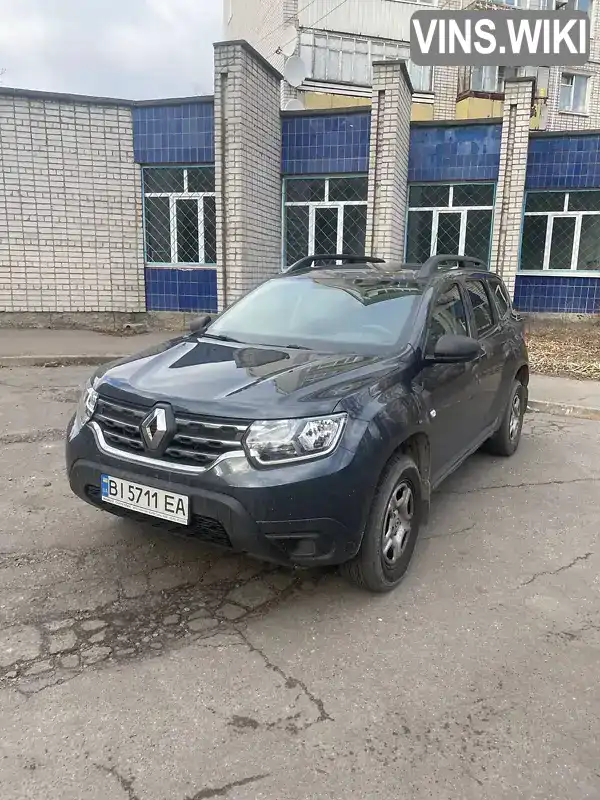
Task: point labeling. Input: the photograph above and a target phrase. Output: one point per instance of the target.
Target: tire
(506, 439)
(397, 506)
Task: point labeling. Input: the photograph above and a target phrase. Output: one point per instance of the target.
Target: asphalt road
(138, 667)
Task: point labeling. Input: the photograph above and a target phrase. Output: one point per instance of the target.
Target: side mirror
(200, 324)
(453, 349)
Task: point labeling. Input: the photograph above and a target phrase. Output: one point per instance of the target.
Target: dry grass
(567, 350)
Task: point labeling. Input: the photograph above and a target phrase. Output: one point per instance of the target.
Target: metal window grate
(561, 231)
(324, 215)
(446, 218)
(180, 215)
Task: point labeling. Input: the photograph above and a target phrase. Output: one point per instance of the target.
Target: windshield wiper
(221, 337)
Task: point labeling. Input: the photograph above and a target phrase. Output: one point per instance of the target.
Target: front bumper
(306, 514)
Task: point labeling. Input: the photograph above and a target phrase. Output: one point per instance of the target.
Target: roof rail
(346, 258)
(433, 264)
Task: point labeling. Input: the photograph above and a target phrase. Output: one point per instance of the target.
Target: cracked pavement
(136, 666)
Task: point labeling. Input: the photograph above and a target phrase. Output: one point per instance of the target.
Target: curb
(563, 409)
(7, 362)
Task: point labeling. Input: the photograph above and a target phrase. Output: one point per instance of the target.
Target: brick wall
(248, 169)
(70, 207)
(565, 121)
(508, 208)
(261, 22)
(388, 162)
(445, 86)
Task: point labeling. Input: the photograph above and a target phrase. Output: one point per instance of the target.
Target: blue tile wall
(579, 295)
(174, 134)
(325, 144)
(170, 289)
(454, 153)
(569, 162)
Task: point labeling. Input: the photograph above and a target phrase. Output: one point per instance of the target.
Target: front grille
(204, 529)
(198, 441)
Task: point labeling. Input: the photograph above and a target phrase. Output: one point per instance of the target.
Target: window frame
(574, 75)
(450, 208)
(550, 216)
(497, 72)
(495, 284)
(332, 44)
(475, 332)
(313, 205)
(442, 290)
(173, 198)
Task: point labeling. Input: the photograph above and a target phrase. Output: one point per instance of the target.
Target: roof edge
(254, 53)
(35, 94)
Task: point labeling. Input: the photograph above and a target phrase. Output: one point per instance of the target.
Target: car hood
(202, 376)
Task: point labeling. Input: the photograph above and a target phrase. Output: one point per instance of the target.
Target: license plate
(146, 499)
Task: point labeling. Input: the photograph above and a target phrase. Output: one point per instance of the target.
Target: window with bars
(561, 231)
(324, 215)
(180, 215)
(349, 59)
(453, 219)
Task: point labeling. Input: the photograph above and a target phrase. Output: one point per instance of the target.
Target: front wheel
(392, 529)
(506, 439)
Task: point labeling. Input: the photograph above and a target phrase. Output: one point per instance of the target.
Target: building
(111, 207)
(338, 41)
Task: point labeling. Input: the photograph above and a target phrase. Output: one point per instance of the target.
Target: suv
(309, 423)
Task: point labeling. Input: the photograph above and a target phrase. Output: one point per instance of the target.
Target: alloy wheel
(515, 417)
(397, 523)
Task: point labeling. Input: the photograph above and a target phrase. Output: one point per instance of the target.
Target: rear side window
(449, 316)
(501, 298)
(482, 309)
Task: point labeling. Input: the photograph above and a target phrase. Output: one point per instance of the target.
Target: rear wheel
(506, 439)
(392, 529)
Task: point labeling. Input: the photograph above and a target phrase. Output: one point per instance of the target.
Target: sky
(132, 49)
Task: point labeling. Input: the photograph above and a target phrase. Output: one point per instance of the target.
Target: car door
(447, 389)
(487, 328)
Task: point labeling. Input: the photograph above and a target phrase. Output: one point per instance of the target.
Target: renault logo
(154, 428)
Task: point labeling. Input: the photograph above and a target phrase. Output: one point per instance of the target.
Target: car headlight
(85, 408)
(284, 441)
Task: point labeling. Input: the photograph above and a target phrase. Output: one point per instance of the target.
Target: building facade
(338, 41)
(185, 204)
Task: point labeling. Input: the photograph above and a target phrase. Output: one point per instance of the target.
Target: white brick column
(508, 208)
(388, 160)
(248, 169)
(445, 86)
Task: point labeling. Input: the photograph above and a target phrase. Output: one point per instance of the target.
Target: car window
(482, 309)
(448, 316)
(501, 298)
(335, 314)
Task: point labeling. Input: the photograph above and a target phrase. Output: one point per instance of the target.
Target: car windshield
(360, 315)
